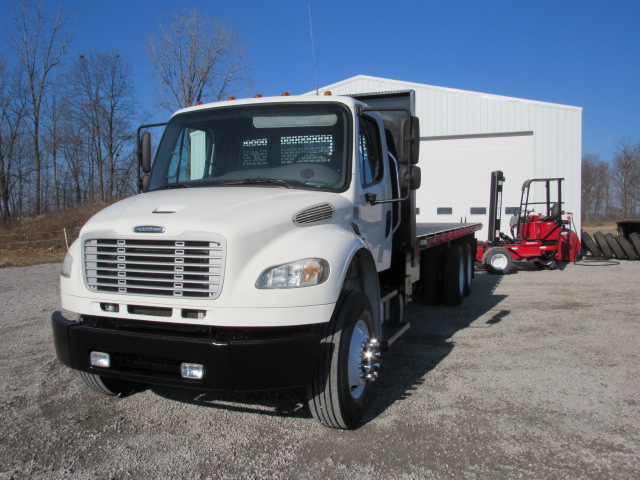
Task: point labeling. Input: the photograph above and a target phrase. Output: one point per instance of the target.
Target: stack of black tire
(608, 246)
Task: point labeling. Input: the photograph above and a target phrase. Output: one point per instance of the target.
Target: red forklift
(540, 231)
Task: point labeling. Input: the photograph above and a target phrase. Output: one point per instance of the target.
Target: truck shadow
(430, 340)
(404, 367)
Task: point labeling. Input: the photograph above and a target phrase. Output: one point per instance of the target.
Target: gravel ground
(535, 376)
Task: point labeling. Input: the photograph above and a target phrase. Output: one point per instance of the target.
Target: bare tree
(595, 185)
(40, 41)
(12, 115)
(101, 104)
(196, 58)
(625, 174)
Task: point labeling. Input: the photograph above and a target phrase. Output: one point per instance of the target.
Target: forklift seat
(555, 213)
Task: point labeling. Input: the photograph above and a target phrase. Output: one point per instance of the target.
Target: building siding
(447, 112)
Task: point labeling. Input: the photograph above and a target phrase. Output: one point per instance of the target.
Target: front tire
(497, 261)
(110, 386)
(347, 364)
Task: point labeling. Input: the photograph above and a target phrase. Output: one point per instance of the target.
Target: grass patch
(26, 257)
(41, 239)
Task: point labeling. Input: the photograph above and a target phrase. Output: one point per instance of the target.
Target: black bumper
(279, 361)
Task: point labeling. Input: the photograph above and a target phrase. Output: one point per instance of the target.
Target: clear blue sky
(581, 52)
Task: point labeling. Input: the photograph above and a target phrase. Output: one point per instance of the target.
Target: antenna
(313, 48)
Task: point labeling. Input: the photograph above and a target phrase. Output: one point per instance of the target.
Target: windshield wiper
(167, 186)
(259, 180)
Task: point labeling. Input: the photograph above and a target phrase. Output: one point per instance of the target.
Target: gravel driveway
(537, 375)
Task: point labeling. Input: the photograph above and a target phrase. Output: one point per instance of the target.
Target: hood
(223, 210)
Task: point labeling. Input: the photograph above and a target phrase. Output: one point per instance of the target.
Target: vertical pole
(495, 207)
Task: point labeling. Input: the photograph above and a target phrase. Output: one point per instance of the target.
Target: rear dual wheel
(455, 275)
(469, 261)
(431, 275)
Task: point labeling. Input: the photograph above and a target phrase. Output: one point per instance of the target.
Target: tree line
(611, 190)
(68, 122)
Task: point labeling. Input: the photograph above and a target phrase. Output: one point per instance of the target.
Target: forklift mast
(495, 207)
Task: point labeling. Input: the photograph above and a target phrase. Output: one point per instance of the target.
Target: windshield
(292, 146)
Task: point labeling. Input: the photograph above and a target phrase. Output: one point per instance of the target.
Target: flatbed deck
(431, 234)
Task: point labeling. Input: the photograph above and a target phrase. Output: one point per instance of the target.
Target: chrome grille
(168, 268)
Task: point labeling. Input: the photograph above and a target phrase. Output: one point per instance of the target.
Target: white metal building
(467, 135)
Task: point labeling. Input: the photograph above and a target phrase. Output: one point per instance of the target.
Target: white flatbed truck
(274, 245)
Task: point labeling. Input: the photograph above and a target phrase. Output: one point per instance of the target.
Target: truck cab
(252, 259)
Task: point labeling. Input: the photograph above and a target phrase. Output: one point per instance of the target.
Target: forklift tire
(615, 246)
(454, 276)
(604, 246)
(634, 238)
(497, 261)
(627, 247)
(589, 245)
(546, 263)
(431, 265)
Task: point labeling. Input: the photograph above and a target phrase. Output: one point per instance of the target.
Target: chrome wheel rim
(357, 350)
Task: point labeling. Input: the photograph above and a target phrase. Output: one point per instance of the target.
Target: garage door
(456, 176)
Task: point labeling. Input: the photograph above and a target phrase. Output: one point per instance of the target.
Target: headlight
(65, 270)
(302, 273)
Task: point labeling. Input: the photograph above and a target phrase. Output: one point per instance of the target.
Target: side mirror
(145, 152)
(415, 142)
(410, 177)
(416, 178)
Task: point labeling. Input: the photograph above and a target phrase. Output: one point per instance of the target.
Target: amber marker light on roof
(284, 94)
(328, 92)
(257, 95)
(231, 98)
(199, 103)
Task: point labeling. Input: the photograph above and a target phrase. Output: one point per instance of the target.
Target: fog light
(192, 370)
(110, 307)
(100, 359)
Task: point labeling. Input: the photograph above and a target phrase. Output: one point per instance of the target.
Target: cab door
(375, 222)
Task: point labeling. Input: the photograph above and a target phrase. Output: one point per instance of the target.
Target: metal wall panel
(557, 129)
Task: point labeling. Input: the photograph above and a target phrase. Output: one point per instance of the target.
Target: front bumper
(145, 353)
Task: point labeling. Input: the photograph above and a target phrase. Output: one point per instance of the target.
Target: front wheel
(110, 386)
(347, 364)
(497, 260)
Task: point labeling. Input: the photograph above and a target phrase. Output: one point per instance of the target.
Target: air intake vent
(312, 215)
